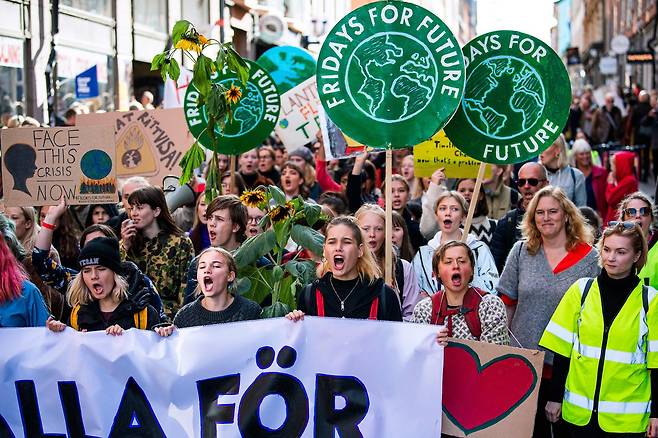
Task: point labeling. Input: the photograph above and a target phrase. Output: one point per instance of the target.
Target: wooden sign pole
(233, 170)
(388, 260)
(474, 201)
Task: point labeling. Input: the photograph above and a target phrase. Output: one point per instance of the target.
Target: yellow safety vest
(650, 269)
(622, 398)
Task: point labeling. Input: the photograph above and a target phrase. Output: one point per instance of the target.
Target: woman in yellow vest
(604, 334)
(98, 294)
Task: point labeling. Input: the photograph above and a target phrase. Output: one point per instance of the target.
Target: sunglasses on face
(644, 211)
(531, 181)
(618, 224)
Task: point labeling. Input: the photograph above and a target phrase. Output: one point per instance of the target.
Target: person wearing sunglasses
(532, 178)
(595, 176)
(637, 208)
(604, 334)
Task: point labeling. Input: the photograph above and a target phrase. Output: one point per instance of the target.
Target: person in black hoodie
(349, 281)
(98, 295)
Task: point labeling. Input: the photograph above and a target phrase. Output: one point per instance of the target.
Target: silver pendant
(342, 306)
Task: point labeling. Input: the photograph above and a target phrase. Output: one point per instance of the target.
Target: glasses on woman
(619, 224)
(531, 181)
(631, 211)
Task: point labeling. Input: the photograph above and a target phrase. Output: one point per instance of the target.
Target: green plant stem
(186, 53)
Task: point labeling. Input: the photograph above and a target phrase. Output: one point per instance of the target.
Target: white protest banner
(299, 120)
(264, 378)
(174, 92)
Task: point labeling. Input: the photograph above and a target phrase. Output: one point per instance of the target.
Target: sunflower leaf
(180, 28)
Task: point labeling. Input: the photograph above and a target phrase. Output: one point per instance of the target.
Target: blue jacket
(28, 310)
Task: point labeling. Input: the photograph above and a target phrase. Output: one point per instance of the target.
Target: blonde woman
(556, 250)
(372, 220)
(216, 301)
(98, 294)
(349, 281)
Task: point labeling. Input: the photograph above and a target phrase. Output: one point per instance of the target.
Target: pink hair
(12, 274)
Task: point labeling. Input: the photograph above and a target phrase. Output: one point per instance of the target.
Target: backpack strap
(320, 302)
(373, 309)
(472, 302)
(436, 307)
(429, 280)
(588, 285)
(141, 318)
(74, 317)
(573, 178)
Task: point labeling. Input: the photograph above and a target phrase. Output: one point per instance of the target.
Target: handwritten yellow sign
(438, 152)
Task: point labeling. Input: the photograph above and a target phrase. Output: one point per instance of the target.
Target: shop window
(196, 12)
(72, 62)
(151, 14)
(99, 7)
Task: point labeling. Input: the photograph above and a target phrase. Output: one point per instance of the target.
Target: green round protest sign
(390, 74)
(516, 99)
(254, 117)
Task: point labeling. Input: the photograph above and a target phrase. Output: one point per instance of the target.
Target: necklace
(342, 302)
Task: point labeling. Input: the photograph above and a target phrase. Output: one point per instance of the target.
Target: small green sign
(516, 99)
(390, 74)
(254, 117)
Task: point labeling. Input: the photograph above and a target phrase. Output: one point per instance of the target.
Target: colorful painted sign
(288, 66)
(336, 144)
(42, 165)
(439, 152)
(254, 117)
(299, 119)
(490, 390)
(149, 143)
(86, 84)
(516, 100)
(390, 74)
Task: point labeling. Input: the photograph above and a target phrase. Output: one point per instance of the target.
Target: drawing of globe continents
(96, 164)
(247, 113)
(391, 76)
(504, 97)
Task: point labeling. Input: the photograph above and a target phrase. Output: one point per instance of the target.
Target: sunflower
(253, 198)
(202, 39)
(189, 44)
(233, 94)
(281, 212)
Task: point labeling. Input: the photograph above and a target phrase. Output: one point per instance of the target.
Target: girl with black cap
(98, 294)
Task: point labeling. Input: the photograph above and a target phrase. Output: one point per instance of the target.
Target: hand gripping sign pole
(390, 74)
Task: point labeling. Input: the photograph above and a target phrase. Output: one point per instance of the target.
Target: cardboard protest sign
(439, 152)
(149, 143)
(299, 119)
(336, 144)
(490, 390)
(390, 74)
(40, 165)
(254, 116)
(516, 99)
(288, 66)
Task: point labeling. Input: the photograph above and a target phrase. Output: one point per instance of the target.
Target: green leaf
(201, 77)
(276, 310)
(180, 29)
(216, 103)
(277, 273)
(286, 294)
(158, 60)
(307, 238)
(278, 195)
(312, 213)
(260, 282)
(164, 70)
(174, 69)
(255, 247)
(243, 285)
(237, 64)
(220, 60)
(192, 159)
(302, 270)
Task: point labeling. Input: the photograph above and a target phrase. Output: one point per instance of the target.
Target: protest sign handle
(233, 170)
(388, 260)
(474, 201)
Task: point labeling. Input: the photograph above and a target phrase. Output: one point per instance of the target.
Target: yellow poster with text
(438, 152)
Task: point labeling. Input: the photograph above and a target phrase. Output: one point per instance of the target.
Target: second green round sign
(254, 117)
(390, 74)
(516, 100)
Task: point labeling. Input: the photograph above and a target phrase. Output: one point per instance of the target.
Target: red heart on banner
(476, 396)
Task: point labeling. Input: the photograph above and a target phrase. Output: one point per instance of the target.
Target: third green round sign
(254, 117)
(390, 74)
(516, 100)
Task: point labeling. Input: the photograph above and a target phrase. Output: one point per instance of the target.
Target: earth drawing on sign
(507, 100)
(248, 112)
(288, 68)
(391, 76)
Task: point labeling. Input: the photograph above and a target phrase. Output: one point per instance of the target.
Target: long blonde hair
(79, 293)
(30, 237)
(576, 227)
(366, 266)
(380, 255)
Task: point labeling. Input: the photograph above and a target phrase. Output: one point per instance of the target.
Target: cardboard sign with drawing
(41, 165)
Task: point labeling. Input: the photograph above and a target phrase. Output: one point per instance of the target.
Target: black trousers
(543, 427)
(592, 430)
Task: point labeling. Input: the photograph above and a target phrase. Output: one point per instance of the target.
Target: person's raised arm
(49, 224)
